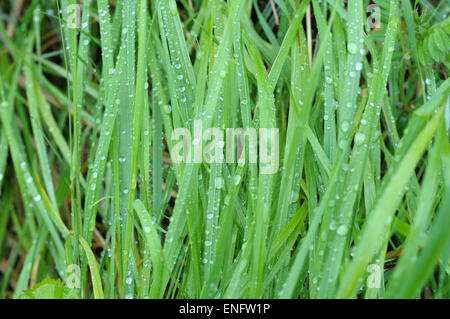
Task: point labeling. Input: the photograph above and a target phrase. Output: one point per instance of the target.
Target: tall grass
(90, 192)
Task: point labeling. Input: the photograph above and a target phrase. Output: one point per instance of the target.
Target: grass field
(104, 195)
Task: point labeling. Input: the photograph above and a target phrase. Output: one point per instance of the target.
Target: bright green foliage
(92, 93)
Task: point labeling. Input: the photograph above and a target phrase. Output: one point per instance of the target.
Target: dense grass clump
(99, 197)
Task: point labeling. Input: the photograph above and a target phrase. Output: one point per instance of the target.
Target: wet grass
(90, 193)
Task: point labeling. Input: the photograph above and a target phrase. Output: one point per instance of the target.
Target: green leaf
(50, 289)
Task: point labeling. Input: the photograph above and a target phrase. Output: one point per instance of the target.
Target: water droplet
(218, 182)
(167, 109)
(294, 196)
(332, 225)
(342, 230)
(345, 126)
(352, 48)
